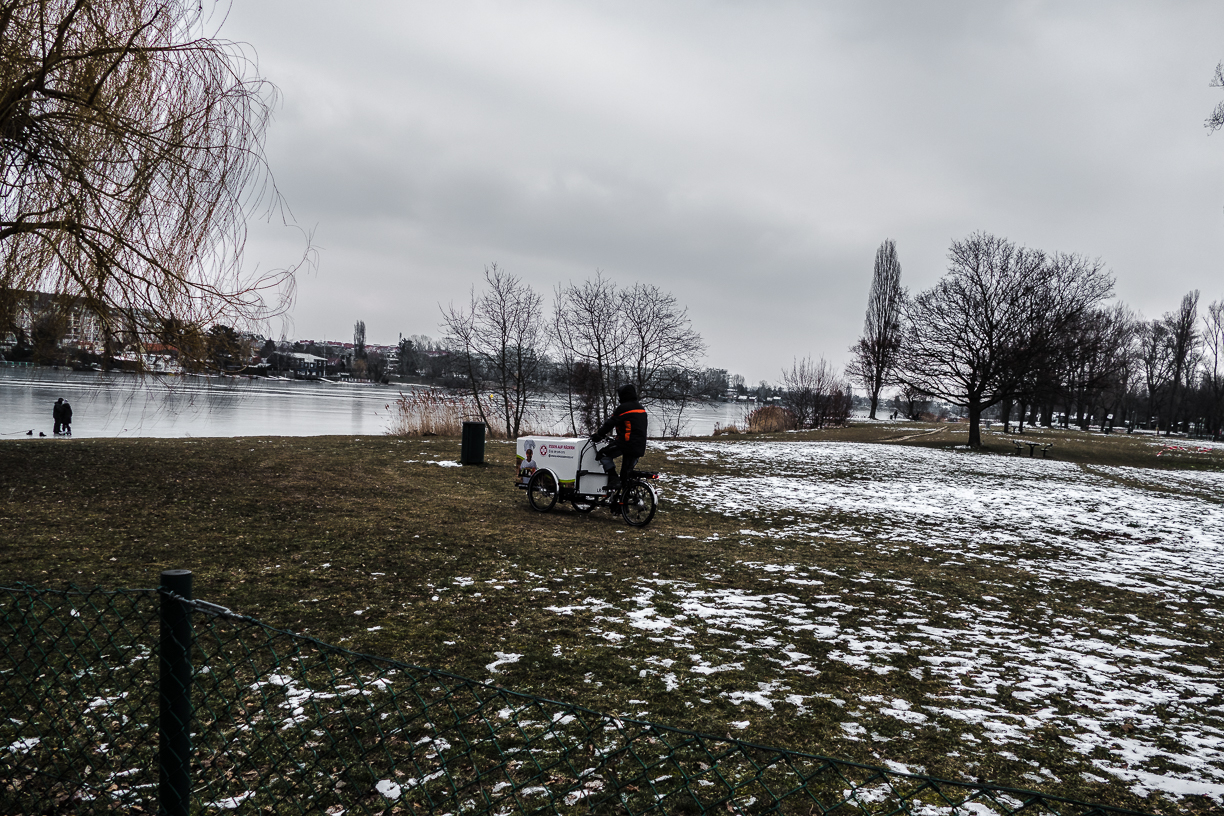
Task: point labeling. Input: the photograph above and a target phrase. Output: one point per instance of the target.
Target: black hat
(627, 392)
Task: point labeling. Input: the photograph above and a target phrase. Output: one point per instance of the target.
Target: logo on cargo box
(543, 450)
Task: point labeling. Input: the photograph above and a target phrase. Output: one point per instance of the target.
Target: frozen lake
(123, 405)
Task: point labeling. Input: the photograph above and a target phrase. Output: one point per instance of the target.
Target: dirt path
(911, 436)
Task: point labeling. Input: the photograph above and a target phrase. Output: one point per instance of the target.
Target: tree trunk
(975, 423)
(1023, 416)
(875, 401)
(1173, 423)
(1005, 412)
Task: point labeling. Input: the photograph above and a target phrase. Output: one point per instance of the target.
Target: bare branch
(1216, 120)
(131, 156)
(994, 321)
(499, 337)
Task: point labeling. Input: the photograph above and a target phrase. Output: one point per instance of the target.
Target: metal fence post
(174, 716)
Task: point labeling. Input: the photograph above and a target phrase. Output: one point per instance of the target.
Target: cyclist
(628, 427)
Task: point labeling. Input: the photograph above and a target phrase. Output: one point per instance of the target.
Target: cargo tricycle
(557, 468)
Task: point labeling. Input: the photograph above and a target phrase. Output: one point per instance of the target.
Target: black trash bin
(471, 450)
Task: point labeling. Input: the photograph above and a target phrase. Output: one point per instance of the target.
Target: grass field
(1044, 623)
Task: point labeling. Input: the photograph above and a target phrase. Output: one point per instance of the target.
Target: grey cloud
(748, 157)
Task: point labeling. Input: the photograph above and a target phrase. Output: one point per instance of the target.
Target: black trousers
(608, 454)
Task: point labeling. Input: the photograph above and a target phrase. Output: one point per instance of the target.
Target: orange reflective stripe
(634, 411)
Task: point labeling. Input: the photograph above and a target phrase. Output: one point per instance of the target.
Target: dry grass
(446, 566)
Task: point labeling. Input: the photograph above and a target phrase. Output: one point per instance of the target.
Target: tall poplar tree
(875, 354)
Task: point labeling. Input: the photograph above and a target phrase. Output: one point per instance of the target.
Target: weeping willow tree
(131, 156)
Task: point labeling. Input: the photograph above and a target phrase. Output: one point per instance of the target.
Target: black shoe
(613, 484)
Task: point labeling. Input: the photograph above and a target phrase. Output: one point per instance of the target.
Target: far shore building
(62, 329)
(307, 366)
(78, 327)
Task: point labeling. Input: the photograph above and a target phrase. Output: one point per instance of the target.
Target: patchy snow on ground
(1155, 530)
(1141, 700)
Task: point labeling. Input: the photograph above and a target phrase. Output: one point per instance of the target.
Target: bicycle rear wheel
(638, 503)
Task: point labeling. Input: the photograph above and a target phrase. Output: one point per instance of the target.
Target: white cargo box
(565, 456)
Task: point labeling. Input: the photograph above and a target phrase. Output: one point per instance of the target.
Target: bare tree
(1213, 365)
(1130, 372)
(661, 348)
(131, 155)
(499, 339)
(375, 366)
(1154, 352)
(813, 394)
(1096, 355)
(590, 340)
(359, 340)
(799, 389)
(994, 318)
(606, 336)
(875, 354)
(911, 403)
(661, 352)
(1183, 341)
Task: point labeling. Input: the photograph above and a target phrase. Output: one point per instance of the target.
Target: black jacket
(628, 426)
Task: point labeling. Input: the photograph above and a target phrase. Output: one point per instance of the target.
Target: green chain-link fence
(283, 723)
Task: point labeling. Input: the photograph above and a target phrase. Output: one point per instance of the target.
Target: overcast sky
(747, 156)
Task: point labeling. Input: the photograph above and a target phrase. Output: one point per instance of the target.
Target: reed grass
(442, 413)
(770, 419)
(431, 413)
(766, 419)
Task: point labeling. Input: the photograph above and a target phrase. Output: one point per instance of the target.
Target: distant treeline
(1021, 334)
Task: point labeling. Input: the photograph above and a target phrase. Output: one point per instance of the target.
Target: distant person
(628, 428)
(57, 413)
(66, 418)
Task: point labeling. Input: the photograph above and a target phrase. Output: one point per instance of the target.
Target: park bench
(1032, 446)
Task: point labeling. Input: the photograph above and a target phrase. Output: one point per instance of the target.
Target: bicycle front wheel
(542, 491)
